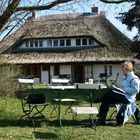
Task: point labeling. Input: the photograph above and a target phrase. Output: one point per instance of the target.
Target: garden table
(59, 99)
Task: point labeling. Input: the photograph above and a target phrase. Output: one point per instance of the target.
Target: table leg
(59, 114)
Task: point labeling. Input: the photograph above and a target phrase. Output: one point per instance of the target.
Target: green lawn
(11, 128)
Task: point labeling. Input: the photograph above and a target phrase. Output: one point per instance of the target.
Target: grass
(13, 129)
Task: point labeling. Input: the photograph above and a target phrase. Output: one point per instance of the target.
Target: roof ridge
(66, 16)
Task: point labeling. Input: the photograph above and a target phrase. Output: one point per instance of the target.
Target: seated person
(130, 84)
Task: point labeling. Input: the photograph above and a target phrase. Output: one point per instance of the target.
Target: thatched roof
(117, 45)
(91, 55)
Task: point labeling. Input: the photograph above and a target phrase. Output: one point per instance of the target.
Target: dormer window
(68, 42)
(31, 44)
(62, 42)
(40, 43)
(84, 41)
(36, 43)
(27, 44)
(49, 43)
(78, 42)
(91, 41)
(55, 43)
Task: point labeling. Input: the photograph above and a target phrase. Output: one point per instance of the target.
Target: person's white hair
(128, 66)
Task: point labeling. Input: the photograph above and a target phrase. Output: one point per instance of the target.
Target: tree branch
(115, 1)
(8, 12)
(42, 7)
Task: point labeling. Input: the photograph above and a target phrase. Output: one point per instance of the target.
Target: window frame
(54, 43)
(69, 42)
(86, 42)
(63, 42)
(91, 41)
(88, 71)
(40, 44)
(27, 44)
(50, 42)
(79, 40)
(36, 44)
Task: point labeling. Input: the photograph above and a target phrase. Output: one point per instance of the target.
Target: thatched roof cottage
(77, 45)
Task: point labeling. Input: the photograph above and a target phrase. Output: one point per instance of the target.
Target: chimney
(33, 14)
(102, 13)
(95, 10)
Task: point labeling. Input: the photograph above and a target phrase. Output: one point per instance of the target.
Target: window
(55, 43)
(84, 41)
(88, 72)
(91, 41)
(27, 44)
(78, 42)
(36, 71)
(36, 44)
(110, 70)
(105, 69)
(49, 43)
(31, 44)
(56, 70)
(68, 42)
(40, 43)
(62, 42)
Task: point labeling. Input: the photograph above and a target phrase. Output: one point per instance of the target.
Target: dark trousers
(109, 99)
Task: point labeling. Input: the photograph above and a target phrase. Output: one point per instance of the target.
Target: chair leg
(54, 109)
(40, 112)
(29, 117)
(69, 108)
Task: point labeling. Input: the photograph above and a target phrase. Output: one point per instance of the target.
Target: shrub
(8, 80)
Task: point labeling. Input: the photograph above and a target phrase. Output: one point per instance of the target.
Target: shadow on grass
(16, 123)
(53, 123)
(45, 135)
(79, 94)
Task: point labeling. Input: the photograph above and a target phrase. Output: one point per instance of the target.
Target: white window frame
(82, 41)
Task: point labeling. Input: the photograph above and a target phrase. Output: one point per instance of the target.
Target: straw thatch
(114, 46)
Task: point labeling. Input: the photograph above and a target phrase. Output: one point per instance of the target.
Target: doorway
(78, 74)
(45, 74)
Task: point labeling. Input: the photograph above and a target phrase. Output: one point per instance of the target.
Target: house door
(45, 74)
(78, 74)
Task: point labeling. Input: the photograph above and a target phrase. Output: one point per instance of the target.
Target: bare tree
(15, 12)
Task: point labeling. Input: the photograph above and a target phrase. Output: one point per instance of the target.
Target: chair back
(117, 76)
(23, 90)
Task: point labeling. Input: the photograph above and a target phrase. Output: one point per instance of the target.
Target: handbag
(36, 98)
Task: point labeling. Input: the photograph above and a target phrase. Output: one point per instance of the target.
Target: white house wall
(116, 69)
(99, 68)
(65, 69)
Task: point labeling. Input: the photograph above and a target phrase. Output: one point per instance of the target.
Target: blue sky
(112, 11)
